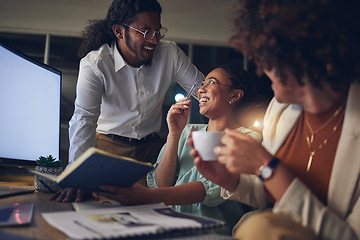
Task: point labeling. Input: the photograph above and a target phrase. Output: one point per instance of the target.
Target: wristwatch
(266, 171)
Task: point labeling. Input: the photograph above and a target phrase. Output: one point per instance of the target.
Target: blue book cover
(95, 168)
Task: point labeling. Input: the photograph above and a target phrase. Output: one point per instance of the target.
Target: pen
(189, 94)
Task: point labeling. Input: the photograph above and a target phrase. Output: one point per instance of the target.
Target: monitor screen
(30, 109)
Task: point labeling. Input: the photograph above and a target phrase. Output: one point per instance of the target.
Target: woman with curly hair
(308, 166)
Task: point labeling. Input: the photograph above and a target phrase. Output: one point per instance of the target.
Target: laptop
(16, 214)
(7, 191)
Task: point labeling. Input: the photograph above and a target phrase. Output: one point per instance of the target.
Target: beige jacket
(340, 219)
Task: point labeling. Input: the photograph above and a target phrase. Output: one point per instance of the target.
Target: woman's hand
(176, 120)
(177, 116)
(134, 195)
(214, 170)
(241, 153)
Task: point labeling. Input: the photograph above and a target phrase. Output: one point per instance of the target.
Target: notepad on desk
(95, 168)
(81, 206)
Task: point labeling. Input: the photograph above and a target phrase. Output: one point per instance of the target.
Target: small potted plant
(47, 165)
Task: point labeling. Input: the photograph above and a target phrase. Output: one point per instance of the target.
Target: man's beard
(128, 44)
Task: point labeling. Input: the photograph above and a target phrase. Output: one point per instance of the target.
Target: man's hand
(73, 195)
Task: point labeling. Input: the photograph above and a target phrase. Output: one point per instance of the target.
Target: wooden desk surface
(39, 228)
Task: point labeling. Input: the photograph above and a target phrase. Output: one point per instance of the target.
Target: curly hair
(99, 32)
(317, 39)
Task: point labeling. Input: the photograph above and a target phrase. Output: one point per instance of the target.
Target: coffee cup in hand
(205, 142)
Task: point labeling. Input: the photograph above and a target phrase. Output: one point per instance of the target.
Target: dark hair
(99, 32)
(317, 39)
(241, 79)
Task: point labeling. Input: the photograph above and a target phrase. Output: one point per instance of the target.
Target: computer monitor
(29, 109)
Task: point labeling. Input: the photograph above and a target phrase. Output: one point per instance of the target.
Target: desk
(39, 228)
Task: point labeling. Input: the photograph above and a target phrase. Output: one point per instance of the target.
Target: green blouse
(213, 205)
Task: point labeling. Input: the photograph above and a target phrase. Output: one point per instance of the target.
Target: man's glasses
(150, 34)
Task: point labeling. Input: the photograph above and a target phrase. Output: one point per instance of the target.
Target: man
(124, 75)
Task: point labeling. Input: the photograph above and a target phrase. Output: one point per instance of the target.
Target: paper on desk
(81, 206)
(125, 221)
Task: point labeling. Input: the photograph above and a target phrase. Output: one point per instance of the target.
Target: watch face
(266, 172)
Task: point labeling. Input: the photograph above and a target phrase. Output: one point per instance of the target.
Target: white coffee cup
(205, 142)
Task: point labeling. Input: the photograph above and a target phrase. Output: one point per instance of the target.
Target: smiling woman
(175, 180)
(226, 92)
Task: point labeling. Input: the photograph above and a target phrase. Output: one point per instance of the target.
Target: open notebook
(127, 221)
